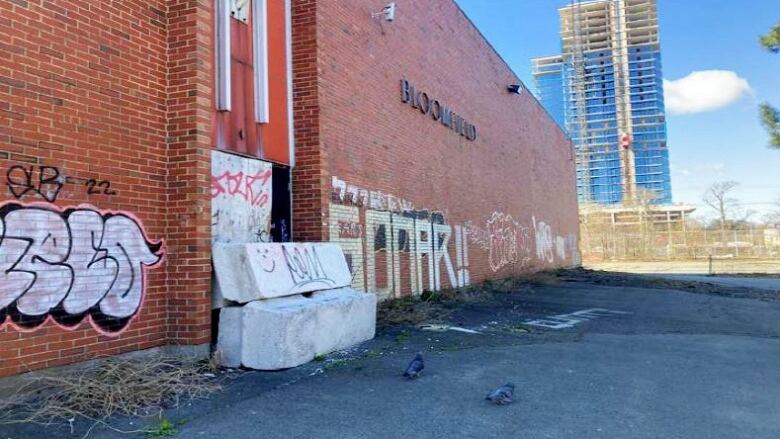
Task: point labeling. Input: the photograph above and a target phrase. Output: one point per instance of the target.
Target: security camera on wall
(514, 89)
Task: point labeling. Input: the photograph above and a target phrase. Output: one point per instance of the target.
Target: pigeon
(415, 367)
(502, 395)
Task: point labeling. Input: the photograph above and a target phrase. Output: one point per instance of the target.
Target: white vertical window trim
(223, 54)
(291, 134)
(260, 43)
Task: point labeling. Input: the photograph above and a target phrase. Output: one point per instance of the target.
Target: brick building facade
(120, 162)
(397, 179)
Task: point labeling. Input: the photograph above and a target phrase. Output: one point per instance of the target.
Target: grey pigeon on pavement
(415, 367)
(502, 395)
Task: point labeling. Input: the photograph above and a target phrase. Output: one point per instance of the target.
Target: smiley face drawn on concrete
(267, 260)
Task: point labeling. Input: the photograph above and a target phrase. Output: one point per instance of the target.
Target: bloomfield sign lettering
(438, 112)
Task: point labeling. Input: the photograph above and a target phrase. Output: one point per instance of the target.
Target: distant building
(772, 237)
(606, 91)
(548, 79)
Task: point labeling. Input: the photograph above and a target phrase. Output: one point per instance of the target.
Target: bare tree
(717, 197)
(773, 217)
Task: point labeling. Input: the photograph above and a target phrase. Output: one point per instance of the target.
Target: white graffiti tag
(544, 241)
(71, 263)
(347, 193)
(506, 240)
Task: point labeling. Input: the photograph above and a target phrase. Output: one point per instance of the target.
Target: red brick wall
(188, 203)
(310, 194)
(103, 105)
(495, 194)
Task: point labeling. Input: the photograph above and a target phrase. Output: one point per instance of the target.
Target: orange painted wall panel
(276, 143)
(236, 130)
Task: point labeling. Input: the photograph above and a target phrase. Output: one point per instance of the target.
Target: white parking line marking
(561, 321)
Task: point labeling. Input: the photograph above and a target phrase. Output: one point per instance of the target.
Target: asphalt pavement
(588, 361)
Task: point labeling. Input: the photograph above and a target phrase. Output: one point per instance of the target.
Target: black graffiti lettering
(90, 184)
(20, 181)
(105, 185)
(305, 266)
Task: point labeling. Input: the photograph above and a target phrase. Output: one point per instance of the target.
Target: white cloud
(704, 90)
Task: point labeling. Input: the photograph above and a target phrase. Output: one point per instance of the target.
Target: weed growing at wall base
(89, 396)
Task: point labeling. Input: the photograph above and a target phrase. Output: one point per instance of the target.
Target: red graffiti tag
(251, 188)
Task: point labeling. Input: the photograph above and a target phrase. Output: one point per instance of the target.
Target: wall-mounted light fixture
(388, 12)
(515, 89)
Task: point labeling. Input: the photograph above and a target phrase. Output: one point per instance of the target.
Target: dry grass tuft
(117, 386)
(409, 311)
(437, 306)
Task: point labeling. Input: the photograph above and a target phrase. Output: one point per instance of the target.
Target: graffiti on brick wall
(550, 246)
(68, 264)
(47, 185)
(345, 193)
(544, 241)
(506, 240)
(240, 198)
(407, 250)
(393, 248)
(47, 182)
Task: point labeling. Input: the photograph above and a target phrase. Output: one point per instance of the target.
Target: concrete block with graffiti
(256, 271)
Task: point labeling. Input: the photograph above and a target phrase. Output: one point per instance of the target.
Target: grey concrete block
(287, 332)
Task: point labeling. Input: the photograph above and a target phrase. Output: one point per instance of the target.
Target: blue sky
(713, 135)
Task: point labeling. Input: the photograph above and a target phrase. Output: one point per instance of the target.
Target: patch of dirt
(480, 300)
(618, 279)
(762, 275)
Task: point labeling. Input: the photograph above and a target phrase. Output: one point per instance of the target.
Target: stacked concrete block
(295, 304)
(289, 331)
(247, 272)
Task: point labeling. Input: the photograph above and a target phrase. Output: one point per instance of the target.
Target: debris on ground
(90, 395)
(436, 306)
(442, 328)
(618, 279)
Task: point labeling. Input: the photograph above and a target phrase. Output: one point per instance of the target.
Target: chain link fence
(678, 242)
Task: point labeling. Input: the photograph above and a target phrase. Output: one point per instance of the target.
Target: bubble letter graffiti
(72, 263)
(506, 240)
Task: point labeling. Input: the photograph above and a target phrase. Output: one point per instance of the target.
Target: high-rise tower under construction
(606, 90)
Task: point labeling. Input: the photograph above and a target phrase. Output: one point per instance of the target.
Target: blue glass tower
(606, 91)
